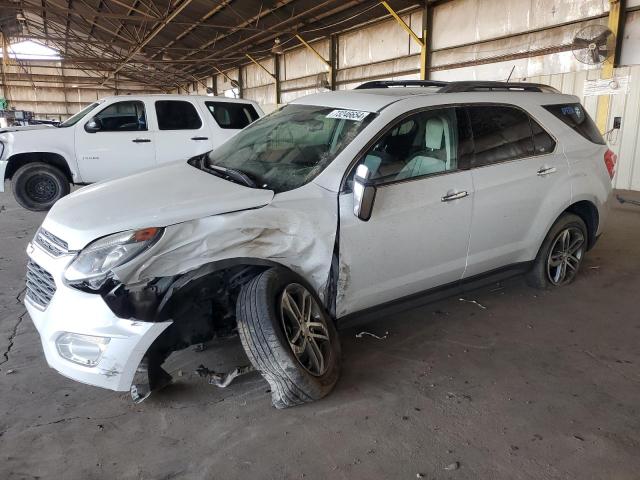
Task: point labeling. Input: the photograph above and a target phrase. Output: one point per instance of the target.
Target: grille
(40, 285)
(51, 244)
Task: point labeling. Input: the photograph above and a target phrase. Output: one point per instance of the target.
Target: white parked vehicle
(336, 204)
(115, 137)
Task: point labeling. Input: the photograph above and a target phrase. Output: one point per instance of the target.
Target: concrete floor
(538, 385)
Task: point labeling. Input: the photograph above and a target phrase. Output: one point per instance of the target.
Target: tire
(564, 247)
(37, 186)
(266, 326)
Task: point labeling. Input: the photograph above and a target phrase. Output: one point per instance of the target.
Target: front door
(521, 182)
(417, 236)
(115, 142)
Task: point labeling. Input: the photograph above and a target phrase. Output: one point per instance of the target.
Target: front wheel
(37, 186)
(561, 253)
(288, 337)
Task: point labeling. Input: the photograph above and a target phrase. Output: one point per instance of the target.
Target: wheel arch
(20, 159)
(588, 212)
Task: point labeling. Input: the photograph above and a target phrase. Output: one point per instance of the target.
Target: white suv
(334, 205)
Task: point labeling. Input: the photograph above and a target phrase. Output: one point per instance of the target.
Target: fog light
(82, 349)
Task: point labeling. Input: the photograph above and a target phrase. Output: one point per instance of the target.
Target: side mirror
(92, 126)
(364, 193)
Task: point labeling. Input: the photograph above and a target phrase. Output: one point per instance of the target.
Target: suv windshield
(290, 147)
(78, 116)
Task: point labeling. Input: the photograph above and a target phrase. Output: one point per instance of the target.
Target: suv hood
(159, 197)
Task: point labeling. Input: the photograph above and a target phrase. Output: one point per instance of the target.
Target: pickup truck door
(418, 233)
(182, 132)
(115, 142)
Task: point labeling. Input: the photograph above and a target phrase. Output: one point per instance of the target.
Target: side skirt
(432, 295)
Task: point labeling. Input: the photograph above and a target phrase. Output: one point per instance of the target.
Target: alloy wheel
(305, 328)
(565, 256)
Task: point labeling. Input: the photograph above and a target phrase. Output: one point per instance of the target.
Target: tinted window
(122, 117)
(426, 143)
(500, 133)
(232, 115)
(542, 141)
(575, 116)
(177, 115)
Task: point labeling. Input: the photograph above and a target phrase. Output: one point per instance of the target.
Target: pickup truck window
(232, 115)
(177, 115)
(72, 120)
(290, 147)
(126, 116)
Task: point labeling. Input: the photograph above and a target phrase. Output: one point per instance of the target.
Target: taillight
(610, 160)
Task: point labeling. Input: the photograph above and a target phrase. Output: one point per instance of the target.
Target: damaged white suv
(337, 204)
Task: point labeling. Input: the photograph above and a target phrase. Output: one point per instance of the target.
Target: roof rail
(466, 86)
(482, 86)
(401, 83)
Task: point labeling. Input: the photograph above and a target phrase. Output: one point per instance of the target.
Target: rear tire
(37, 186)
(561, 253)
(300, 360)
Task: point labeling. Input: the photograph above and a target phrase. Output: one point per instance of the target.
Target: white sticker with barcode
(355, 115)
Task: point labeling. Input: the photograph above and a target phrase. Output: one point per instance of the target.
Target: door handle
(199, 138)
(141, 140)
(545, 171)
(454, 196)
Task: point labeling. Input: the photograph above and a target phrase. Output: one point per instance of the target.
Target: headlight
(93, 265)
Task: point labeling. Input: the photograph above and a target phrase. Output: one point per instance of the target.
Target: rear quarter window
(575, 116)
(232, 115)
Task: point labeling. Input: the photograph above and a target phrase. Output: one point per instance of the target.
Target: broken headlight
(93, 266)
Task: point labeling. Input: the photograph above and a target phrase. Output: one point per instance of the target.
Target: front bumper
(71, 310)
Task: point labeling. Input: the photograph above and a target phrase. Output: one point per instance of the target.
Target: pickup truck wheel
(288, 337)
(37, 186)
(561, 253)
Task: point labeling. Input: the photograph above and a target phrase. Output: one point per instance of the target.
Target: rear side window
(575, 116)
(500, 133)
(232, 115)
(177, 115)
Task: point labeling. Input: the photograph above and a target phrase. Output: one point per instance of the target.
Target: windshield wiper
(237, 176)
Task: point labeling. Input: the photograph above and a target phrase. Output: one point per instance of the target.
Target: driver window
(425, 143)
(126, 116)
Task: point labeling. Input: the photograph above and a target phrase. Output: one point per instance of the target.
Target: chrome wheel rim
(305, 328)
(565, 256)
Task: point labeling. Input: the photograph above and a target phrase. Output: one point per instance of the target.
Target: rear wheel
(37, 186)
(288, 337)
(561, 253)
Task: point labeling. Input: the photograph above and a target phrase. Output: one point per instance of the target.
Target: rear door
(182, 133)
(417, 236)
(228, 118)
(123, 144)
(521, 182)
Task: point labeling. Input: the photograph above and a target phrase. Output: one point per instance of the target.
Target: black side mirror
(94, 125)
(364, 193)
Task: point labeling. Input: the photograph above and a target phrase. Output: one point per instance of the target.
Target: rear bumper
(73, 311)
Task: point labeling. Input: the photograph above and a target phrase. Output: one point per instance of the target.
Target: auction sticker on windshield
(355, 115)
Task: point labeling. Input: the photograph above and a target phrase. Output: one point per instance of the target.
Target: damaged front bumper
(107, 349)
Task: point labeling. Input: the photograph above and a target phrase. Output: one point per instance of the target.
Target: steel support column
(416, 38)
(616, 8)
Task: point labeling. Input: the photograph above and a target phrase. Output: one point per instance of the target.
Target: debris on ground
(594, 267)
(222, 380)
(474, 302)
(363, 333)
(624, 200)
(578, 437)
(453, 466)
(419, 475)
(10, 371)
(199, 347)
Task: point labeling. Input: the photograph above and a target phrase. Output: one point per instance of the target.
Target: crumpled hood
(25, 128)
(159, 197)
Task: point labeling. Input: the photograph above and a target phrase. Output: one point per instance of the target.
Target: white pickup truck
(115, 137)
